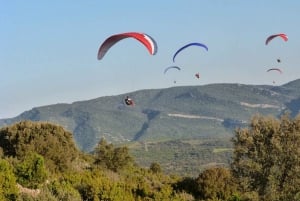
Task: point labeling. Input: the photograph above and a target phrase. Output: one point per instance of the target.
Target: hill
(198, 113)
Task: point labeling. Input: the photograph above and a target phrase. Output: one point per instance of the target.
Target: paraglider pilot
(129, 101)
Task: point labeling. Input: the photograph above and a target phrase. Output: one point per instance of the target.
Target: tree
(121, 158)
(215, 184)
(112, 158)
(266, 159)
(155, 168)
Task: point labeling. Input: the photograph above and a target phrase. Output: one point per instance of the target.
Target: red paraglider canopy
(145, 39)
(282, 35)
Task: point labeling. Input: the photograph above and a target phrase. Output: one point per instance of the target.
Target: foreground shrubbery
(39, 161)
(266, 161)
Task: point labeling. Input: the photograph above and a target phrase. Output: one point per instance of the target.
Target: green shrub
(31, 171)
(8, 185)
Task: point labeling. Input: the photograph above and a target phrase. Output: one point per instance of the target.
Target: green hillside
(173, 114)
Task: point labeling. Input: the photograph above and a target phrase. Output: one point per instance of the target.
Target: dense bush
(8, 185)
(266, 158)
(107, 156)
(31, 172)
(50, 141)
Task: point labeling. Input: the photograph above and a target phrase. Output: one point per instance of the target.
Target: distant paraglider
(274, 69)
(188, 45)
(281, 35)
(171, 67)
(197, 75)
(145, 39)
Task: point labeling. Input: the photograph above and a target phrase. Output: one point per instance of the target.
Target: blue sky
(48, 51)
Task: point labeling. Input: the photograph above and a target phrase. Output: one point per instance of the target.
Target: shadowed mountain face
(167, 114)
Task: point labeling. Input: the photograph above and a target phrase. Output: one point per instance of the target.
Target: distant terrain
(176, 126)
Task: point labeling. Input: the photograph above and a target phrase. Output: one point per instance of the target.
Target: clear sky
(48, 49)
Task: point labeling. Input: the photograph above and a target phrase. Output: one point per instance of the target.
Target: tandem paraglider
(128, 101)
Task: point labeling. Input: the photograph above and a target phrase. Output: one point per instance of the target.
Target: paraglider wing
(275, 69)
(188, 45)
(282, 35)
(170, 67)
(145, 39)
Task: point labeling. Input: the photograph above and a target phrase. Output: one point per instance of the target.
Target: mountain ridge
(179, 112)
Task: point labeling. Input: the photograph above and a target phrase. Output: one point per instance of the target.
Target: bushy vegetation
(108, 157)
(31, 171)
(50, 141)
(39, 161)
(267, 159)
(8, 185)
